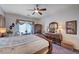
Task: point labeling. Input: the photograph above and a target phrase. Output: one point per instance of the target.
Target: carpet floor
(60, 50)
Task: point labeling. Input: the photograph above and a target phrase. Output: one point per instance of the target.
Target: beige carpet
(60, 50)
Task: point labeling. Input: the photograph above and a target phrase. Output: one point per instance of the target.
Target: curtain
(2, 21)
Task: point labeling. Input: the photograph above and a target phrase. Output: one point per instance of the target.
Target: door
(37, 28)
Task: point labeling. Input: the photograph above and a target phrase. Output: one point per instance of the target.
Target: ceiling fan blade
(43, 9)
(37, 8)
(40, 13)
(33, 13)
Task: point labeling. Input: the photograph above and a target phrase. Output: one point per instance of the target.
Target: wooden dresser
(56, 38)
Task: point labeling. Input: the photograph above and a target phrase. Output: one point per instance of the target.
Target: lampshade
(2, 30)
(60, 29)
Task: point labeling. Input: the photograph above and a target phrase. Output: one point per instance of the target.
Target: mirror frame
(53, 23)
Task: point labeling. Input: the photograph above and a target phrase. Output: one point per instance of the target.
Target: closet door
(2, 21)
(37, 28)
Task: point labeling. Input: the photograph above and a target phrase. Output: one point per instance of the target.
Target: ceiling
(22, 9)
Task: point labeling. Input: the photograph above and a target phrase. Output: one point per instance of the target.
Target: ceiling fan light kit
(36, 11)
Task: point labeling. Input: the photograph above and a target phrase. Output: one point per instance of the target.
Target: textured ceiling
(22, 9)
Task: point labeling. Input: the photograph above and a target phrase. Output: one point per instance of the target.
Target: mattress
(28, 44)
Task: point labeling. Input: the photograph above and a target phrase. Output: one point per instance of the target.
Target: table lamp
(60, 29)
(2, 31)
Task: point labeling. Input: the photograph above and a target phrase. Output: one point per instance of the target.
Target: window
(25, 28)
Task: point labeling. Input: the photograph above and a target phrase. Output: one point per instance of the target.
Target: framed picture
(71, 27)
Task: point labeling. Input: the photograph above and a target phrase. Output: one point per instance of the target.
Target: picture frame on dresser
(71, 27)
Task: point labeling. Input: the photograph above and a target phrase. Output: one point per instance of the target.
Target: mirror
(53, 26)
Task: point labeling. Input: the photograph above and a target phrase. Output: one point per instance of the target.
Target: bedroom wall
(1, 11)
(61, 16)
(11, 18)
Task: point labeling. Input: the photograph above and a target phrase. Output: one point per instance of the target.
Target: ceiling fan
(37, 10)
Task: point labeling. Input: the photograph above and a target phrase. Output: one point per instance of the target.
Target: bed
(27, 44)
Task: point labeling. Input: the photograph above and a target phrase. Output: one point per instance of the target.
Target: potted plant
(9, 32)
